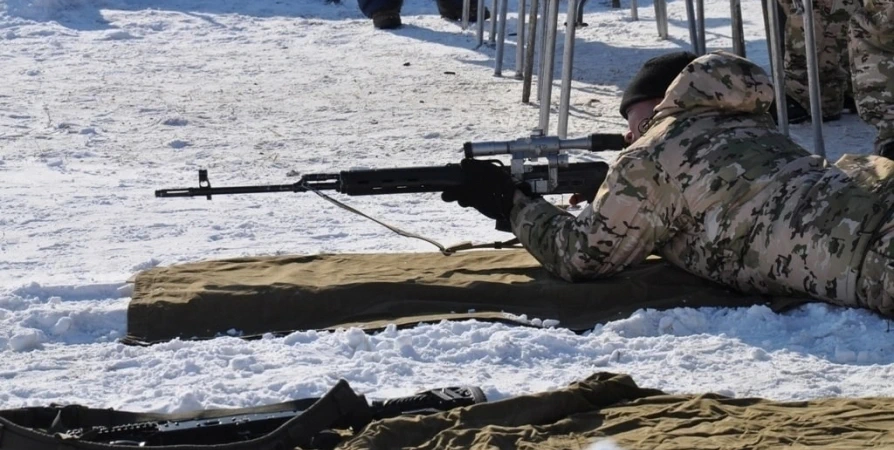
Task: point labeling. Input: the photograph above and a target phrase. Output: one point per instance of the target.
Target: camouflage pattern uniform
(715, 189)
(872, 65)
(831, 19)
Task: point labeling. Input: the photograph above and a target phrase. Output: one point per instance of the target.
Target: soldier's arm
(631, 213)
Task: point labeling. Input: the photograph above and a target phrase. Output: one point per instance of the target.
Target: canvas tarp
(599, 407)
(611, 406)
(286, 293)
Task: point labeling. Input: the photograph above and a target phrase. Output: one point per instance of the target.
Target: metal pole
(520, 41)
(480, 23)
(738, 32)
(664, 18)
(776, 59)
(467, 10)
(634, 10)
(660, 13)
(501, 38)
(700, 5)
(529, 52)
(813, 85)
(567, 67)
(492, 37)
(549, 62)
(544, 28)
(693, 35)
(767, 31)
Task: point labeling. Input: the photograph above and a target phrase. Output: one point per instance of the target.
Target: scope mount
(536, 146)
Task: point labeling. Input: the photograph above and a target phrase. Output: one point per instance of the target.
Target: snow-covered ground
(103, 101)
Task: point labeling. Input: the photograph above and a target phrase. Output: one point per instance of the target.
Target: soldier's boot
(453, 10)
(832, 118)
(794, 111)
(886, 149)
(797, 114)
(388, 19)
(850, 105)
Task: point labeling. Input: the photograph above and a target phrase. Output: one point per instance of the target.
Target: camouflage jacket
(715, 189)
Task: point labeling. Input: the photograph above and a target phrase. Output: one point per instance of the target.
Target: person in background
(385, 14)
(871, 47)
(855, 55)
(831, 22)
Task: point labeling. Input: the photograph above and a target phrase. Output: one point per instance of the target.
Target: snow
(104, 101)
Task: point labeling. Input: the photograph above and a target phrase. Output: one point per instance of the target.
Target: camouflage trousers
(875, 287)
(872, 65)
(831, 21)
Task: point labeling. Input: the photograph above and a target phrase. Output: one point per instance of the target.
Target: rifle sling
(446, 251)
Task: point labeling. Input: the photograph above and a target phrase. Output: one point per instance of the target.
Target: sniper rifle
(558, 176)
(306, 423)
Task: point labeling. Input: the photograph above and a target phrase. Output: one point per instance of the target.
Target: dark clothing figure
(386, 13)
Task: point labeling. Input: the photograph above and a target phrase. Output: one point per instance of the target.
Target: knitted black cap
(654, 78)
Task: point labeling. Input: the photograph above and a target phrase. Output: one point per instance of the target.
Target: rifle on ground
(306, 423)
(558, 176)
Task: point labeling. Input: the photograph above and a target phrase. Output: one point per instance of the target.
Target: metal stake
(567, 66)
(634, 10)
(700, 5)
(467, 10)
(693, 35)
(813, 85)
(549, 62)
(492, 37)
(664, 18)
(520, 41)
(738, 34)
(529, 52)
(544, 28)
(764, 6)
(776, 59)
(661, 18)
(480, 23)
(501, 37)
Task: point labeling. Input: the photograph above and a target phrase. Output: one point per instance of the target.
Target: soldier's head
(647, 89)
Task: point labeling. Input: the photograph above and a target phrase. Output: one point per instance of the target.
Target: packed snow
(104, 101)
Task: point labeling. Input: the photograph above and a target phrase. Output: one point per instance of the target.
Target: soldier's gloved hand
(576, 199)
(587, 194)
(487, 188)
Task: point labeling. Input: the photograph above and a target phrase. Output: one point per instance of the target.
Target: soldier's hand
(576, 199)
(588, 194)
(486, 187)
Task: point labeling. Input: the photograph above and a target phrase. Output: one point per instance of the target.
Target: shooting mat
(600, 406)
(280, 294)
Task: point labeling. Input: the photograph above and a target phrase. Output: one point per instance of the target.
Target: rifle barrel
(200, 191)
